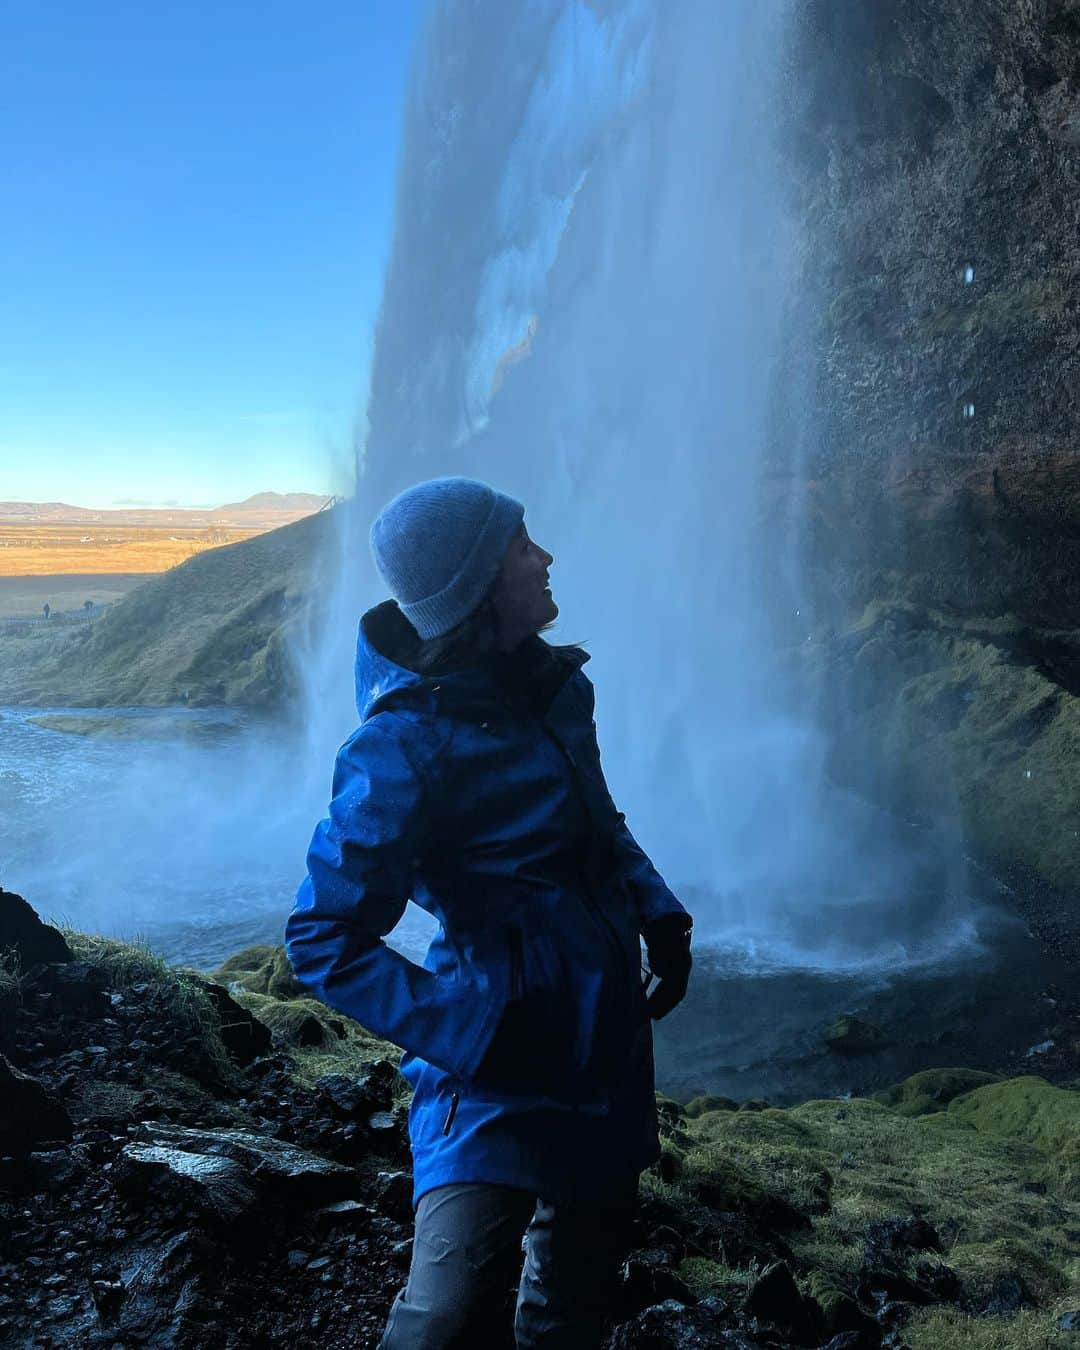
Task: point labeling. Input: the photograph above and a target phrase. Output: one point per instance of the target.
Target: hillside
(214, 630)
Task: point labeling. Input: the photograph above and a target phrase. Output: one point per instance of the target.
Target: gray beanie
(439, 546)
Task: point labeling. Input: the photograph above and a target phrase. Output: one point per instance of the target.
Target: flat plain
(66, 564)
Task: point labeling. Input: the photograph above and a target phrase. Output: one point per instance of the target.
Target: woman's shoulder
(417, 736)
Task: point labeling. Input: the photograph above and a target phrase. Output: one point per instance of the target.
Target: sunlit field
(95, 550)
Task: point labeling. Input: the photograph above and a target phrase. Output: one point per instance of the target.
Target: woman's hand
(667, 947)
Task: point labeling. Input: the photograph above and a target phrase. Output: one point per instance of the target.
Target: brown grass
(91, 549)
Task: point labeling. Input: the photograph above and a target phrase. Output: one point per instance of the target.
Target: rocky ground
(196, 1162)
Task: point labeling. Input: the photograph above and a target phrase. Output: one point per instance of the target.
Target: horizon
(136, 504)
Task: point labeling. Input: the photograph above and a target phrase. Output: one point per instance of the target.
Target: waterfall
(584, 305)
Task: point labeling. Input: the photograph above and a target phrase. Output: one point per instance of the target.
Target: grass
(123, 964)
(848, 1163)
(86, 549)
(947, 1329)
(215, 630)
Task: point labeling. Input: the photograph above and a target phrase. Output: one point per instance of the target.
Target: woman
(473, 785)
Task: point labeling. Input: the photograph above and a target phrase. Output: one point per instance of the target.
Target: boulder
(672, 1326)
(356, 1097)
(644, 1282)
(776, 1298)
(22, 932)
(294, 1173)
(219, 1188)
(242, 1034)
(30, 1115)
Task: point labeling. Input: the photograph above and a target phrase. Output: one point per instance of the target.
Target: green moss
(1029, 1110)
(843, 1164)
(931, 1090)
(1004, 310)
(262, 969)
(981, 1265)
(704, 1277)
(700, 1106)
(318, 1040)
(958, 721)
(948, 1329)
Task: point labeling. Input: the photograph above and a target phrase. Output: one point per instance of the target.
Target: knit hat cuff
(438, 613)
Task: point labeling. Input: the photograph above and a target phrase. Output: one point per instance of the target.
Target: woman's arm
(361, 866)
(650, 892)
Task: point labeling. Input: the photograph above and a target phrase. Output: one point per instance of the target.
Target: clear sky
(196, 202)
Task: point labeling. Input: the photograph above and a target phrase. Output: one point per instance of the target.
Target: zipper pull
(449, 1121)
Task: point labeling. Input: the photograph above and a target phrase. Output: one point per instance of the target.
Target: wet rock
(243, 1035)
(52, 1171)
(21, 931)
(644, 1283)
(776, 1298)
(30, 1115)
(359, 1097)
(671, 1326)
(218, 1188)
(852, 1036)
(295, 1173)
(350, 1214)
(393, 1192)
(1069, 1321)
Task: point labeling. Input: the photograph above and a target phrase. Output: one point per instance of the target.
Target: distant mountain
(264, 508)
(294, 503)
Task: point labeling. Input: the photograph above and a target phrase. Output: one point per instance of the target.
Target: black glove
(667, 947)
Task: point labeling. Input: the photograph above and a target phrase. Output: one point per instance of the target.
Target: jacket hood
(387, 643)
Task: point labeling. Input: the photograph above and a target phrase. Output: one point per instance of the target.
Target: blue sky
(197, 209)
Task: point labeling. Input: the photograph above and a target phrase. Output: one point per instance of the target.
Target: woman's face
(521, 594)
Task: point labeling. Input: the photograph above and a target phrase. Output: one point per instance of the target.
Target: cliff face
(935, 163)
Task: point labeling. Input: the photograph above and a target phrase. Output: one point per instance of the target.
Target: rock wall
(934, 157)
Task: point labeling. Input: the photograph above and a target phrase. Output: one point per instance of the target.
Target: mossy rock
(261, 969)
(318, 1040)
(842, 1164)
(932, 1090)
(700, 1106)
(295, 1021)
(1027, 1109)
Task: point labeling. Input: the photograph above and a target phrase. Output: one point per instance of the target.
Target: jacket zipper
(448, 1123)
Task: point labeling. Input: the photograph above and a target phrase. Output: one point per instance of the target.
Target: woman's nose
(548, 559)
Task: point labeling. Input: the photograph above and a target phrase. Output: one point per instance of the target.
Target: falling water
(584, 305)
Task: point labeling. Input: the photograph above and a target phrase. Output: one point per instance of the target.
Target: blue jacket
(482, 798)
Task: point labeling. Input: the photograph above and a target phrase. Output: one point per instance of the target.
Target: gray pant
(467, 1256)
